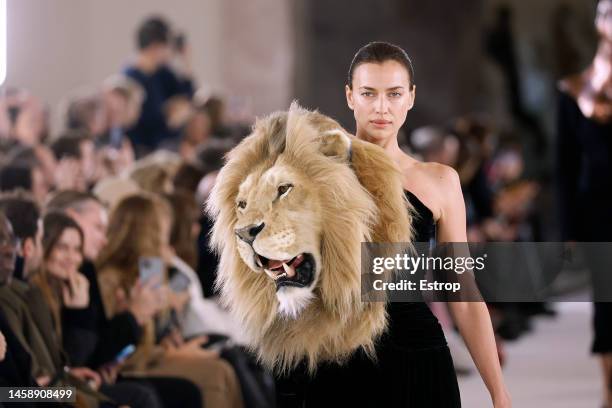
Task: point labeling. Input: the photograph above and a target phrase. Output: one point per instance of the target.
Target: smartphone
(150, 267)
(124, 354)
(115, 136)
(179, 282)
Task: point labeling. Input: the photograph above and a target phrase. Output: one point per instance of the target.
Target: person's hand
(144, 301)
(178, 111)
(2, 347)
(88, 375)
(75, 291)
(109, 372)
(43, 380)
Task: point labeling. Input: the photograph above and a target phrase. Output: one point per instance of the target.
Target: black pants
(172, 392)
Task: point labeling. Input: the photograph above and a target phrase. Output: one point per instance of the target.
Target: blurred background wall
(264, 53)
(242, 48)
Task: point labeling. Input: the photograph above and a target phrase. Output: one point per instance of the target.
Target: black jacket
(90, 338)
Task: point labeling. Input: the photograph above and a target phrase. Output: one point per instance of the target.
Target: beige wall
(258, 52)
(55, 46)
(47, 50)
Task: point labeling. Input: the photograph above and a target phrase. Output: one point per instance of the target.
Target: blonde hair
(134, 231)
(152, 177)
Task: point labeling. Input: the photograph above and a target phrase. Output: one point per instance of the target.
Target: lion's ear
(335, 143)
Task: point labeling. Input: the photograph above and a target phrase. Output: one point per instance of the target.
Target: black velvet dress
(414, 367)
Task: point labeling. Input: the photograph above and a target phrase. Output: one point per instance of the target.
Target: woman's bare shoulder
(436, 185)
(439, 176)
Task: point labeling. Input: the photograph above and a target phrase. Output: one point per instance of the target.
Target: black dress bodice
(423, 223)
(412, 325)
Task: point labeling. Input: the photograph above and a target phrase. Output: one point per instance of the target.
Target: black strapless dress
(414, 367)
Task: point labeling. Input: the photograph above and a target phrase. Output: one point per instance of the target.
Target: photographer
(166, 106)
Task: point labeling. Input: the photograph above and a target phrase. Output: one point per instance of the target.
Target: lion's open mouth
(297, 271)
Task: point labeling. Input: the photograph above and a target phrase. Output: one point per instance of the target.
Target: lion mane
(359, 191)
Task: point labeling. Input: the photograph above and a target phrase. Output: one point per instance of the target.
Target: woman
(140, 227)
(60, 280)
(584, 157)
(381, 91)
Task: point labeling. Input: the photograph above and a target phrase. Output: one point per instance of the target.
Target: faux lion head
(291, 206)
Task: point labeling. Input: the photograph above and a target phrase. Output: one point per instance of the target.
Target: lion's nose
(248, 233)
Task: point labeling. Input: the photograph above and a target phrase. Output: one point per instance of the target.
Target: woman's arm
(472, 318)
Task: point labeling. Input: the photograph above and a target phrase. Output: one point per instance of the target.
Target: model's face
(66, 256)
(380, 98)
(603, 21)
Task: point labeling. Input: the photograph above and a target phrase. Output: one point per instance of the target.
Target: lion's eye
(284, 189)
(242, 204)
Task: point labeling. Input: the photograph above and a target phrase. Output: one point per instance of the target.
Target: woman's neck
(390, 146)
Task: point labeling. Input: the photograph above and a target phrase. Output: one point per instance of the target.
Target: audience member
(74, 152)
(23, 176)
(166, 92)
(24, 214)
(86, 112)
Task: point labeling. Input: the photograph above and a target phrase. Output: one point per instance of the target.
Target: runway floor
(548, 367)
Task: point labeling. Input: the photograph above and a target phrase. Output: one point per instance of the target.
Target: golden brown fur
(353, 202)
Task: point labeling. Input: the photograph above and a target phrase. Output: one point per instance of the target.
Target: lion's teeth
(274, 275)
(289, 270)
